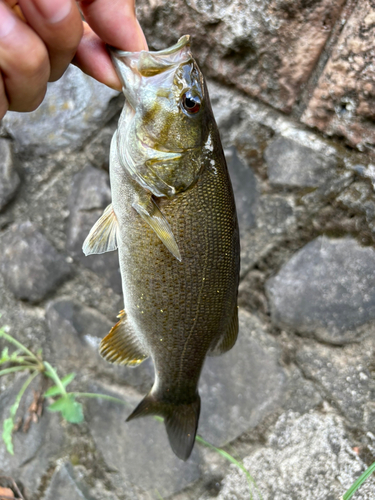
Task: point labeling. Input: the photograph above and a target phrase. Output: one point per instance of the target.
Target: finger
(24, 62)
(93, 59)
(115, 22)
(4, 105)
(58, 23)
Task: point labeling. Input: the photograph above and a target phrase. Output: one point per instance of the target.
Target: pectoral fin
(121, 346)
(103, 235)
(151, 214)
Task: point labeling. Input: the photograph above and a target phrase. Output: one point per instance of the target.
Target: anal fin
(228, 339)
(103, 235)
(121, 346)
(151, 214)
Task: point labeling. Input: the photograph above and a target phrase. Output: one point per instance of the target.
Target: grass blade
(359, 482)
(99, 396)
(15, 342)
(15, 369)
(51, 372)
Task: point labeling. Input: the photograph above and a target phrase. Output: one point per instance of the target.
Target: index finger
(115, 22)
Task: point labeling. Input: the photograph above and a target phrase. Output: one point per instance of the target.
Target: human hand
(39, 38)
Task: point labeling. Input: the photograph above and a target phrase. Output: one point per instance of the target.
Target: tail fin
(181, 421)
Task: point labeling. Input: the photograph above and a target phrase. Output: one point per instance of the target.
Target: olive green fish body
(178, 253)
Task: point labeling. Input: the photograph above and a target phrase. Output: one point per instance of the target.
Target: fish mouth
(150, 63)
(182, 42)
(151, 142)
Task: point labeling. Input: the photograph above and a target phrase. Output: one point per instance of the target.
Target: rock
(267, 49)
(75, 331)
(241, 387)
(75, 334)
(341, 103)
(276, 214)
(307, 457)
(97, 151)
(301, 395)
(90, 195)
(326, 289)
(9, 179)
(245, 188)
(74, 108)
(344, 375)
(291, 164)
(138, 450)
(34, 450)
(30, 265)
(63, 486)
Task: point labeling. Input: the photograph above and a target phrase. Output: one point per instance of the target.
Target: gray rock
(275, 214)
(89, 197)
(9, 179)
(301, 394)
(30, 265)
(307, 457)
(344, 376)
(75, 334)
(63, 486)
(275, 218)
(74, 108)
(291, 164)
(241, 387)
(326, 289)
(245, 188)
(34, 450)
(138, 450)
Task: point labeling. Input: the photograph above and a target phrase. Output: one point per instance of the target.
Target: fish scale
(178, 253)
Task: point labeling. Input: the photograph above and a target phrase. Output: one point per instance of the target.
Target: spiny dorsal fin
(151, 214)
(181, 421)
(103, 235)
(120, 346)
(228, 339)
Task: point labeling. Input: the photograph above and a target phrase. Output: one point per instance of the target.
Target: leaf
(14, 408)
(7, 434)
(70, 409)
(4, 355)
(56, 390)
(73, 413)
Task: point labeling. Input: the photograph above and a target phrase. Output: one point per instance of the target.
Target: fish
(173, 220)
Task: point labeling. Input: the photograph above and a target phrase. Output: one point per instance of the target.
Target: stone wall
(292, 87)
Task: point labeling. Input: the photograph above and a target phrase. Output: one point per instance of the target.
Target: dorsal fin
(103, 235)
(121, 346)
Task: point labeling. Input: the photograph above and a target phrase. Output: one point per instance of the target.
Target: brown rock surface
(266, 48)
(343, 102)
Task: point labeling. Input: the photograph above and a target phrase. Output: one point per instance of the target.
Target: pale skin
(40, 38)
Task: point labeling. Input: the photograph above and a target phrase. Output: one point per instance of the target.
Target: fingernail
(54, 10)
(7, 21)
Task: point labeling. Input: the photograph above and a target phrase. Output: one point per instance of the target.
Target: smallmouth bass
(174, 222)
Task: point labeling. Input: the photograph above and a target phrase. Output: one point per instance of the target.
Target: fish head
(170, 120)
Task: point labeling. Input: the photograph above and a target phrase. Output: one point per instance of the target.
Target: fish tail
(181, 421)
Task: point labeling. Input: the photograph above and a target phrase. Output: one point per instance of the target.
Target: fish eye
(191, 103)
